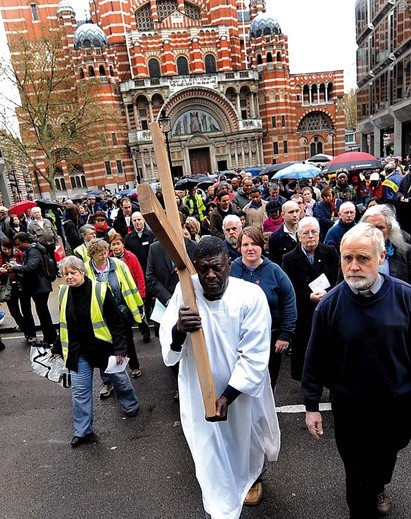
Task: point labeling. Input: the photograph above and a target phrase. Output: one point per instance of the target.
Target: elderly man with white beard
(232, 228)
(360, 349)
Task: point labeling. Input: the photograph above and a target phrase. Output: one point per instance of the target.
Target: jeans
(82, 396)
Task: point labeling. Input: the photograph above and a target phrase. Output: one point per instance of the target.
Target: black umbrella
(186, 183)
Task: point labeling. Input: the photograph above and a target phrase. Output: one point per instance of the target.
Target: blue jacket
(391, 187)
(278, 290)
(335, 234)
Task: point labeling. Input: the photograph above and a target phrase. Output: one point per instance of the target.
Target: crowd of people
(267, 255)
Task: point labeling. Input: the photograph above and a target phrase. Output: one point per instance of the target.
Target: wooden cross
(167, 229)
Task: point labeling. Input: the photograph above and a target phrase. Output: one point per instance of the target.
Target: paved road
(141, 467)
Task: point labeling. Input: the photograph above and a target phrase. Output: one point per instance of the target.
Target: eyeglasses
(305, 234)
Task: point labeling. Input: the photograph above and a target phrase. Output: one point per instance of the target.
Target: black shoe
(80, 440)
(2, 345)
(146, 338)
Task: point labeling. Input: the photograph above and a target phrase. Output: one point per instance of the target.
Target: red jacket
(134, 266)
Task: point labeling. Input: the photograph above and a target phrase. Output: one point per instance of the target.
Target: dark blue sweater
(360, 347)
(278, 290)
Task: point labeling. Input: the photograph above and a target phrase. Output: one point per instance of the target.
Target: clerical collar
(372, 290)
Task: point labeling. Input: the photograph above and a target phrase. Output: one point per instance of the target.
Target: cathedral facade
(215, 75)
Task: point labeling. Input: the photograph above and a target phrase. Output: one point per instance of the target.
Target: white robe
(228, 456)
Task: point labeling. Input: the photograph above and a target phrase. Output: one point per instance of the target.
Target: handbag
(5, 291)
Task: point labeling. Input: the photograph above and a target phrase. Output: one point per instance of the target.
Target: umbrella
(352, 160)
(46, 202)
(298, 171)
(273, 168)
(254, 171)
(186, 183)
(19, 208)
(320, 157)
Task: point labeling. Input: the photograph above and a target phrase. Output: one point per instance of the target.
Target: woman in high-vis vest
(117, 275)
(91, 330)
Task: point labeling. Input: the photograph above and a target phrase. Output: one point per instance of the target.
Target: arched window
(91, 72)
(330, 91)
(73, 181)
(102, 70)
(81, 73)
(83, 181)
(154, 68)
(182, 66)
(279, 57)
(111, 71)
(269, 57)
(259, 59)
(210, 64)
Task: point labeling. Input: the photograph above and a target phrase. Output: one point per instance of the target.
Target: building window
(102, 70)
(81, 73)
(103, 139)
(192, 11)
(91, 72)
(120, 168)
(283, 121)
(285, 145)
(275, 148)
(34, 12)
(107, 165)
(154, 68)
(143, 18)
(273, 122)
(210, 64)
(60, 184)
(269, 57)
(165, 8)
(114, 139)
(182, 66)
(259, 59)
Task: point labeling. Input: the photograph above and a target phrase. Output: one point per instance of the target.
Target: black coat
(161, 274)
(139, 246)
(400, 264)
(279, 243)
(301, 273)
(31, 272)
(72, 234)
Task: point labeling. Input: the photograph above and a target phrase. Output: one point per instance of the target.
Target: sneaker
(383, 504)
(106, 390)
(136, 373)
(31, 340)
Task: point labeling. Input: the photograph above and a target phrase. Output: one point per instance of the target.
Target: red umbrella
(352, 160)
(19, 208)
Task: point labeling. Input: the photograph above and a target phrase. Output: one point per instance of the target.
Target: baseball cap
(374, 176)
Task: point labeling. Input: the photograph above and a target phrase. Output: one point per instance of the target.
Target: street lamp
(165, 122)
(332, 135)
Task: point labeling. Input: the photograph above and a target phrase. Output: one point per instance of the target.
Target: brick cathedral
(217, 73)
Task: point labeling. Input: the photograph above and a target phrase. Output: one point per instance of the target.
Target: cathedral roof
(264, 25)
(89, 35)
(64, 6)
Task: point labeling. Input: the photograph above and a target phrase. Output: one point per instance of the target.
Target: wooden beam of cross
(167, 229)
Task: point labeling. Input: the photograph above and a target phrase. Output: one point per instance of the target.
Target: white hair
(346, 205)
(395, 235)
(366, 230)
(307, 220)
(232, 218)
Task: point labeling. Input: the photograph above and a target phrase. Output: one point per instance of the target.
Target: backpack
(49, 267)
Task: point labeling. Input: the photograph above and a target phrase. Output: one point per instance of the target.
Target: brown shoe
(254, 495)
(383, 504)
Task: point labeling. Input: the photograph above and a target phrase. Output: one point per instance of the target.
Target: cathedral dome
(64, 7)
(264, 25)
(89, 35)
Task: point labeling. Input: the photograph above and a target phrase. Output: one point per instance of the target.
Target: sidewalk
(9, 325)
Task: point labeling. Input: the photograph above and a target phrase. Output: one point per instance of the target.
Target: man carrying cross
(229, 451)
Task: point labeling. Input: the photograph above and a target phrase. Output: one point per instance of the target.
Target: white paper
(113, 367)
(158, 311)
(320, 283)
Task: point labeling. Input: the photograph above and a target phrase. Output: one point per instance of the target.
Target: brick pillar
(197, 63)
(224, 56)
(168, 65)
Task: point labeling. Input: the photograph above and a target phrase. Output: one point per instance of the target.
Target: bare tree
(58, 114)
(350, 109)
